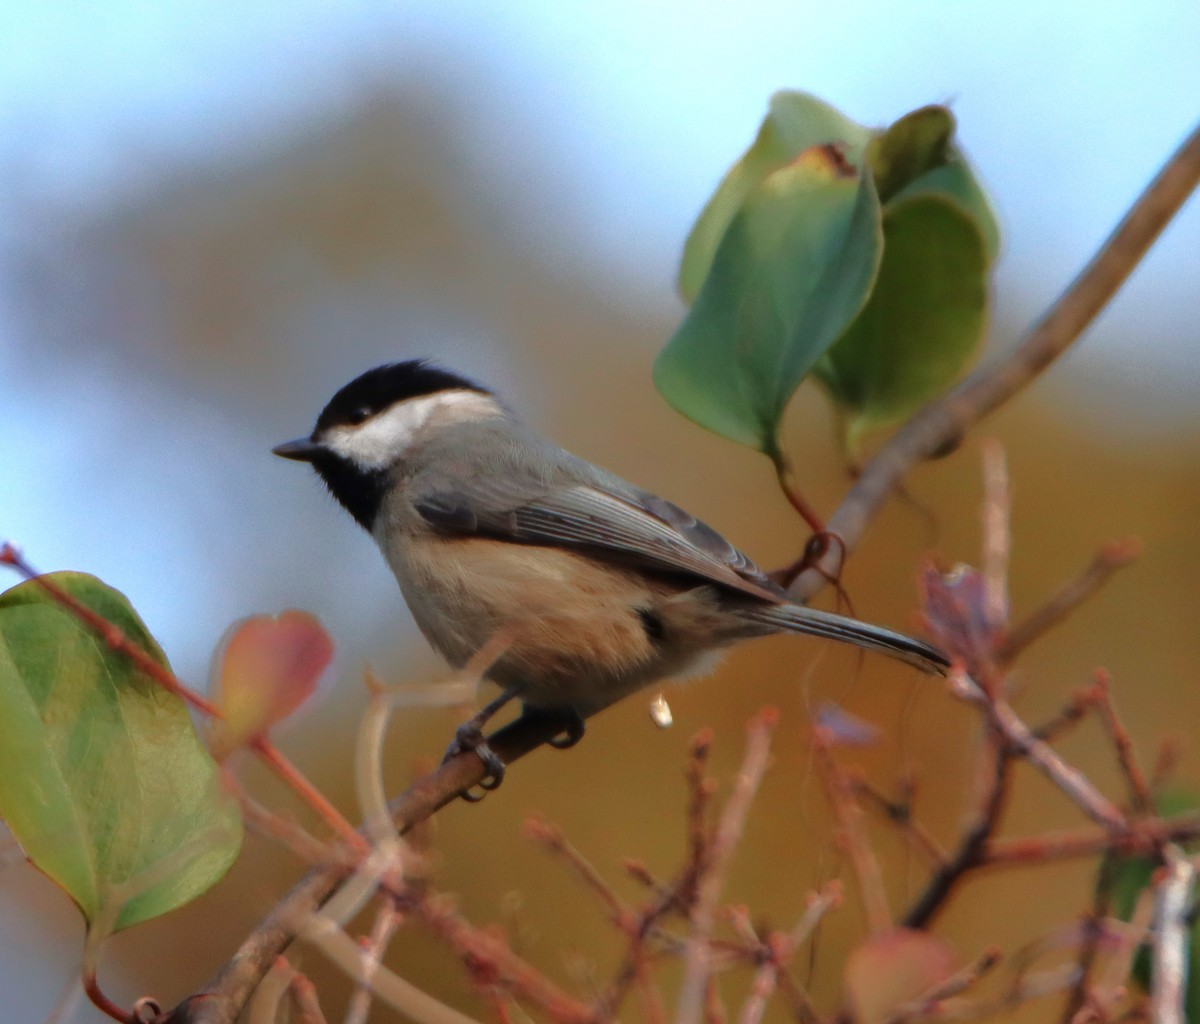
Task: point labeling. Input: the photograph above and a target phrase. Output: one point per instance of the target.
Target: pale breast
(569, 624)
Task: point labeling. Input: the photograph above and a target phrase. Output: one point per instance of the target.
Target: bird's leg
(469, 737)
(570, 721)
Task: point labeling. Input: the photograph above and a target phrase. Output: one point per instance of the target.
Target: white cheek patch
(385, 437)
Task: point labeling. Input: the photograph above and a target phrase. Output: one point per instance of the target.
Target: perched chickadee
(593, 587)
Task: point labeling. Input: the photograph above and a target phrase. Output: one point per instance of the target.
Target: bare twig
(304, 1000)
(551, 837)
(266, 822)
(1113, 556)
(1071, 714)
(700, 793)
(819, 904)
(997, 535)
(482, 951)
(1021, 740)
(264, 1005)
(761, 990)
(1092, 925)
(415, 1004)
(970, 851)
(849, 817)
(387, 920)
(1143, 837)
(222, 1002)
(1113, 984)
(1141, 798)
(925, 1004)
(1172, 904)
(729, 830)
(1166, 762)
(900, 813)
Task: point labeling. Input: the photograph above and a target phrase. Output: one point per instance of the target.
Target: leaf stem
(786, 475)
(105, 1005)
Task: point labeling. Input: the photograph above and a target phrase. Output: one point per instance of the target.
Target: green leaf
(955, 181)
(795, 122)
(923, 321)
(793, 269)
(103, 780)
(911, 147)
(917, 156)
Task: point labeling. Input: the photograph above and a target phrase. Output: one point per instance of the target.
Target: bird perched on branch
(592, 587)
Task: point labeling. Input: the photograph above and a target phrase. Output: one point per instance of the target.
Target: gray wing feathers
(798, 619)
(574, 503)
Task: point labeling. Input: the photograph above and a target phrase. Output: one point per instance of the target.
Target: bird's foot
(469, 738)
(570, 721)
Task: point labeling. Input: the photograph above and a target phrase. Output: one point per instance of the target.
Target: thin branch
(1143, 837)
(970, 851)
(1093, 926)
(849, 816)
(264, 1005)
(552, 837)
(1172, 905)
(415, 1004)
(729, 831)
(1072, 713)
(304, 1001)
(478, 947)
(1022, 742)
(899, 812)
(267, 823)
(925, 1005)
(1140, 796)
(1113, 556)
(221, 1003)
(940, 425)
(997, 535)
(373, 947)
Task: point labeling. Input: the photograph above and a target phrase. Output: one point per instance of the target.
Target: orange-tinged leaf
(894, 968)
(267, 668)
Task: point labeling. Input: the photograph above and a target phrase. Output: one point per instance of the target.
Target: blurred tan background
(215, 218)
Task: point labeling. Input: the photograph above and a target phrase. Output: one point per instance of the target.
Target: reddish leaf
(955, 607)
(266, 669)
(894, 968)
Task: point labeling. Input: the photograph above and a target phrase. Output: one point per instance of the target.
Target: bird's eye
(359, 415)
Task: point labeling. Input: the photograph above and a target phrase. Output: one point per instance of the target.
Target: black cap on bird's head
(367, 425)
(378, 389)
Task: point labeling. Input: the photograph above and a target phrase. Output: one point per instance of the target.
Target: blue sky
(635, 106)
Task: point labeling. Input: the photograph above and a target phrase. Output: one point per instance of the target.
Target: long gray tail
(796, 618)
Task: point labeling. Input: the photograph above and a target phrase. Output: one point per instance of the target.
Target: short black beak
(303, 449)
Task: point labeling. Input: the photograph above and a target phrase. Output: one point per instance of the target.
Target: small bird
(592, 588)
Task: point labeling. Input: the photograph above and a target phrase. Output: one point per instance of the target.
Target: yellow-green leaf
(923, 321)
(103, 779)
(795, 122)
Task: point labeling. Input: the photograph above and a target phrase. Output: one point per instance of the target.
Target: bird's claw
(572, 731)
(469, 738)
